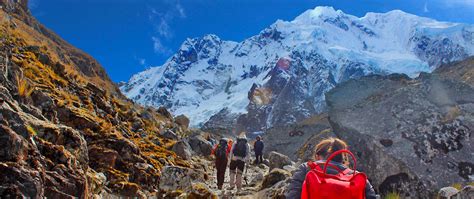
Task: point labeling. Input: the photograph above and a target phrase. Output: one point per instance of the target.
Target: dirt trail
(250, 187)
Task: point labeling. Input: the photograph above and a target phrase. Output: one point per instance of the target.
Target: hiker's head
(259, 138)
(242, 136)
(328, 146)
(230, 141)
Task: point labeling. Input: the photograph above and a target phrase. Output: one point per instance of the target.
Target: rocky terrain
(65, 129)
(411, 136)
(67, 132)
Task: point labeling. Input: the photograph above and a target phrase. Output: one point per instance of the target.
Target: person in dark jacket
(221, 152)
(258, 149)
(323, 150)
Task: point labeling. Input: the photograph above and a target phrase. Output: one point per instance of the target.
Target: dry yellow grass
(24, 87)
(392, 195)
(31, 130)
(458, 186)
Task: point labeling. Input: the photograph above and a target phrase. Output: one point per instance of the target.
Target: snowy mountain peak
(321, 11)
(320, 48)
(317, 14)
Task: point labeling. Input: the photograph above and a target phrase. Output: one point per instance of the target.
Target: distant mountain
(281, 75)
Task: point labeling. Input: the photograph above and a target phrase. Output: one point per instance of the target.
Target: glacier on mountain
(322, 47)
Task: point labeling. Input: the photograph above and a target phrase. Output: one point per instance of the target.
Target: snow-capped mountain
(281, 75)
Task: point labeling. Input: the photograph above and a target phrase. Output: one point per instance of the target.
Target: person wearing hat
(258, 149)
(239, 155)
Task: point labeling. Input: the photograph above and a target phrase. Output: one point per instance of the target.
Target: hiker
(239, 156)
(258, 149)
(338, 164)
(229, 143)
(221, 152)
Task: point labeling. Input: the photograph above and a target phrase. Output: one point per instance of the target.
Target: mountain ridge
(208, 75)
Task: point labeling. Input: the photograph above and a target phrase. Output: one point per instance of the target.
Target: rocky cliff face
(412, 136)
(280, 76)
(65, 130)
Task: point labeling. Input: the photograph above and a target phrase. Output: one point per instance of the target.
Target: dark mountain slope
(65, 130)
(411, 135)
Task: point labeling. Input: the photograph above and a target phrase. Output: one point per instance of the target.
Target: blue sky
(128, 36)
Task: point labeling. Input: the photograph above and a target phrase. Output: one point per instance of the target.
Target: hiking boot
(230, 188)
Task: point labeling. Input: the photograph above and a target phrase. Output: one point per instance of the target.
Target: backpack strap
(321, 165)
(346, 171)
(313, 165)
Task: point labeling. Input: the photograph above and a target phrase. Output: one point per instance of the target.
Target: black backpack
(240, 148)
(221, 151)
(258, 146)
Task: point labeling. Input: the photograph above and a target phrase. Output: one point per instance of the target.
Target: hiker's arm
(296, 182)
(369, 191)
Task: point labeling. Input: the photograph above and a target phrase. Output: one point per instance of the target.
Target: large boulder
(182, 120)
(200, 145)
(275, 176)
(201, 191)
(182, 149)
(20, 182)
(447, 192)
(178, 178)
(164, 112)
(278, 160)
(453, 193)
(14, 145)
(467, 192)
(169, 134)
(412, 136)
(297, 140)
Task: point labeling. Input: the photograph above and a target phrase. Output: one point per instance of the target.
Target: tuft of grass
(31, 130)
(392, 195)
(24, 87)
(458, 186)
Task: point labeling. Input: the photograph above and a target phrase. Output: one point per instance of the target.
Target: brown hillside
(65, 130)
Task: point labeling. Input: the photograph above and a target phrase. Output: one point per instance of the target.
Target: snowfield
(325, 47)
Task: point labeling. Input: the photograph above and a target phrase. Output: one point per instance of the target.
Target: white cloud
(142, 61)
(158, 46)
(162, 21)
(452, 3)
(425, 7)
(164, 29)
(180, 9)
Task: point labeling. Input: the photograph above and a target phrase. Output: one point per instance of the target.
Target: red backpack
(346, 184)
